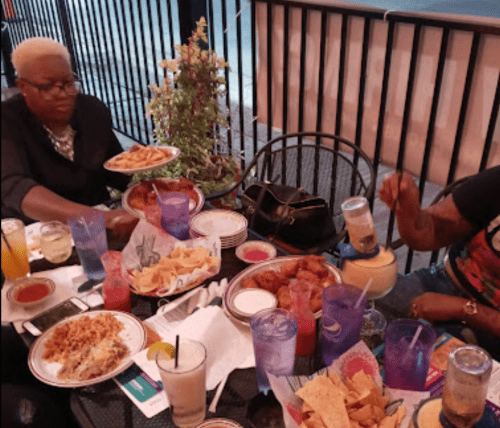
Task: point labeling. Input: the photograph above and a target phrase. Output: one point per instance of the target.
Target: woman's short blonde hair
(31, 49)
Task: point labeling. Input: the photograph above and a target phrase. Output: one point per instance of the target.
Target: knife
(87, 285)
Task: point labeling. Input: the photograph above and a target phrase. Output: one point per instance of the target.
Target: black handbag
(287, 212)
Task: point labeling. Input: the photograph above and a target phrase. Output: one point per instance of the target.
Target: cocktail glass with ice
(185, 384)
(274, 335)
(406, 366)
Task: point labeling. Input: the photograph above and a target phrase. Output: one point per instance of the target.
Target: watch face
(470, 308)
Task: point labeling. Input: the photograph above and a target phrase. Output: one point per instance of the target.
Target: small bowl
(255, 252)
(246, 302)
(219, 423)
(23, 284)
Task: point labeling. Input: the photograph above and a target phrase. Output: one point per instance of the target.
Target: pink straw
(363, 293)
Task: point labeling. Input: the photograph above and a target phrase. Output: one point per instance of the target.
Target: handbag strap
(283, 215)
(260, 198)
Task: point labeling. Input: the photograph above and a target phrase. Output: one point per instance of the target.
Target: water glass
(467, 377)
(89, 234)
(15, 263)
(175, 214)
(274, 335)
(342, 320)
(407, 367)
(185, 385)
(359, 223)
(55, 241)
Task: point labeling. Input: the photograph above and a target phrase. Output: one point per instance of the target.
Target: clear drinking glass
(464, 395)
(55, 241)
(15, 262)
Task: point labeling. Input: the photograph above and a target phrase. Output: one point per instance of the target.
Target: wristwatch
(469, 309)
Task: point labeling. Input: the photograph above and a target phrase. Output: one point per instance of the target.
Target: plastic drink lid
(249, 301)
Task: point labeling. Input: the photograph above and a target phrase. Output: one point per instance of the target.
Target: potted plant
(187, 113)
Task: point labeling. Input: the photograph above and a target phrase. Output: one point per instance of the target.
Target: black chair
(323, 165)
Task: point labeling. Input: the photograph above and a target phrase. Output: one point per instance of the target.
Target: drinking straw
(94, 246)
(400, 176)
(157, 193)
(11, 251)
(415, 338)
(363, 293)
(176, 350)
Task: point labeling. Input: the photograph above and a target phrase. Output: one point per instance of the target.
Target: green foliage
(186, 111)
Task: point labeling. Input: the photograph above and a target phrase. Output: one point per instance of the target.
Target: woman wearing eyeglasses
(55, 141)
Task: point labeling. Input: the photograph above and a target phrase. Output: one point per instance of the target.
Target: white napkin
(226, 346)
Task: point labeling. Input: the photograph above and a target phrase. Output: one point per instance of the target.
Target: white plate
(173, 151)
(223, 223)
(194, 208)
(273, 264)
(133, 335)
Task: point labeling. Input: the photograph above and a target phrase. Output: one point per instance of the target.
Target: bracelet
(469, 309)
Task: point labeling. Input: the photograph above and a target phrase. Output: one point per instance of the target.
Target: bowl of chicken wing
(274, 276)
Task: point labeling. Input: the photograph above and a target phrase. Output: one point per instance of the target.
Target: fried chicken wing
(249, 283)
(307, 276)
(284, 299)
(289, 269)
(270, 280)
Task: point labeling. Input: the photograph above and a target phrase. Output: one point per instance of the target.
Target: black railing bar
(30, 23)
(39, 21)
(56, 24)
(434, 107)
(361, 95)
(240, 83)
(254, 77)
(491, 127)
(321, 86)
(226, 75)
(404, 126)
(147, 120)
(359, 10)
(138, 55)
(321, 73)
(107, 11)
(451, 23)
(80, 65)
(210, 21)
(383, 99)
(127, 63)
(162, 41)
(94, 50)
(170, 30)
(85, 58)
(49, 24)
(153, 43)
(286, 56)
(67, 33)
(103, 58)
(14, 29)
(340, 91)
(269, 17)
(132, 73)
(302, 74)
(463, 108)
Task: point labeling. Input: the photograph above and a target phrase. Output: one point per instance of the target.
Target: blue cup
(175, 214)
(342, 320)
(89, 234)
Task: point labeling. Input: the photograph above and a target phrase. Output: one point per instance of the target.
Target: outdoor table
(105, 405)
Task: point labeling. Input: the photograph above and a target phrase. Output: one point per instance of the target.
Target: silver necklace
(63, 142)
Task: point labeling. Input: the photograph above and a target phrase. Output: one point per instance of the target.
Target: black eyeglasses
(51, 90)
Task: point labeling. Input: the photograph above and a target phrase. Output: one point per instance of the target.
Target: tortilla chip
(327, 400)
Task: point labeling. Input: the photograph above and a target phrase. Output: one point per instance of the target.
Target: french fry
(139, 156)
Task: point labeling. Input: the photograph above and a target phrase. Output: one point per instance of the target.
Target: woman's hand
(437, 307)
(120, 223)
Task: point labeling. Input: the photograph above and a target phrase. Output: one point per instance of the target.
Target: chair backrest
(323, 165)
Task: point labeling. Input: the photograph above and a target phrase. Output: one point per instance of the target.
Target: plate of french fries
(141, 159)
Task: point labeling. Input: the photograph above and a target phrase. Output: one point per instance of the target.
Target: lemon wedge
(167, 350)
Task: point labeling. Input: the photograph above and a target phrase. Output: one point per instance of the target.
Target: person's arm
(426, 229)
(42, 204)
(441, 307)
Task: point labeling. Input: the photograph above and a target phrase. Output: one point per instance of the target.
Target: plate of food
(87, 348)
(274, 275)
(141, 158)
(136, 198)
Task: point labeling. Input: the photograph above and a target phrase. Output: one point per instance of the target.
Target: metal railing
(117, 44)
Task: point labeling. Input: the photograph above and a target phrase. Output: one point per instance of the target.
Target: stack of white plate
(231, 227)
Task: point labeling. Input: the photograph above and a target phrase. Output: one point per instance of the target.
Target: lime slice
(166, 349)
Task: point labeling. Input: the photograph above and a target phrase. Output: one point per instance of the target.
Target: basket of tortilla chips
(159, 265)
(347, 394)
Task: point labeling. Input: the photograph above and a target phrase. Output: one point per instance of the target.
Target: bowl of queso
(255, 252)
(31, 291)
